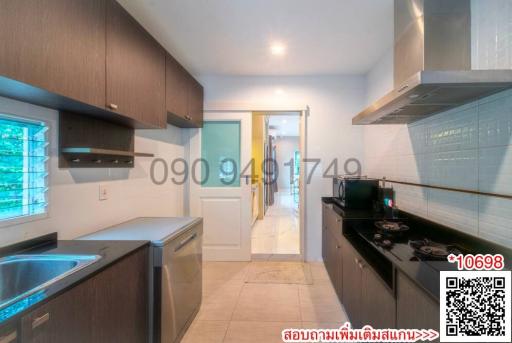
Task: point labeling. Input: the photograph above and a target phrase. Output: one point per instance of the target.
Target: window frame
(13, 221)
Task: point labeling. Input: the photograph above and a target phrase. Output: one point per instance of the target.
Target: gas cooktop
(408, 244)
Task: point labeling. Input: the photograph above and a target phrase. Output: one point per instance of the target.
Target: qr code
(475, 306)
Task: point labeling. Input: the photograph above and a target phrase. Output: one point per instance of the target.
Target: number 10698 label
(478, 261)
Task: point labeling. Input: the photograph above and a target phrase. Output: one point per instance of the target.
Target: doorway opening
(276, 195)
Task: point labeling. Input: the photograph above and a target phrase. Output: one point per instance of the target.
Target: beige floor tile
(269, 303)
(206, 332)
(316, 325)
(288, 272)
(217, 310)
(215, 290)
(257, 332)
(319, 303)
(318, 271)
(225, 271)
(279, 231)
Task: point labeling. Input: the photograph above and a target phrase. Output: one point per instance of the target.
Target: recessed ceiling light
(277, 49)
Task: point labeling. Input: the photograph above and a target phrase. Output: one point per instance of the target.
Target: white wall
(285, 151)
(333, 101)
(74, 207)
(467, 147)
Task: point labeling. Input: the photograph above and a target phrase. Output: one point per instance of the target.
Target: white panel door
(219, 152)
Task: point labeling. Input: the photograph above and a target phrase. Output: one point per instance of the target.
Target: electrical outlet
(103, 192)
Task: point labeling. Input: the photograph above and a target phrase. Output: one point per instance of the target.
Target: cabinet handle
(113, 106)
(188, 118)
(338, 220)
(338, 247)
(361, 265)
(185, 242)
(356, 260)
(40, 320)
(9, 338)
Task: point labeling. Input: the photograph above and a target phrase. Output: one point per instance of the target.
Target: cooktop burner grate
(391, 227)
(428, 249)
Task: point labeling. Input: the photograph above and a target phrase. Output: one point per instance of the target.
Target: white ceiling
(285, 125)
(233, 37)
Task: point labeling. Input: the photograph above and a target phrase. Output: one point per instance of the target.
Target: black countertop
(110, 252)
(359, 229)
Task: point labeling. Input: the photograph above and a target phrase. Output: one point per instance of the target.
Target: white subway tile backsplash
(458, 169)
(495, 170)
(412, 199)
(455, 130)
(456, 210)
(468, 147)
(495, 122)
(411, 168)
(495, 220)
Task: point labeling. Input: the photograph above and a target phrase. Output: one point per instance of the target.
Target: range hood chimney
(432, 64)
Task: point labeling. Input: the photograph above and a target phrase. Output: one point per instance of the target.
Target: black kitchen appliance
(355, 192)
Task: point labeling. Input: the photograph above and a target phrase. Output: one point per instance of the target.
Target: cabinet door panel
(195, 103)
(176, 88)
(325, 236)
(375, 295)
(57, 45)
(351, 286)
(121, 301)
(67, 318)
(135, 69)
(415, 309)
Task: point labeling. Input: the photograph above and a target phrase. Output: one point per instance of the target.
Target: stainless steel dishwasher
(175, 270)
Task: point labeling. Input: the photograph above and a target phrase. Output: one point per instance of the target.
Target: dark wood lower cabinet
(352, 286)
(366, 297)
(378, 305)
(415, 309)
(332, 247)
(110, 307)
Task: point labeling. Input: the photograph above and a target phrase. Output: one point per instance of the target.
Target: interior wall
(468, 147)
(285, 151)
(74, 205)
(258, 147)
(333, 101)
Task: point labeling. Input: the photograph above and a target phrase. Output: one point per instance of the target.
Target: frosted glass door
(220, 153)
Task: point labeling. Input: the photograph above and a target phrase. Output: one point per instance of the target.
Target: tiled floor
(236, 311)
(278, 232)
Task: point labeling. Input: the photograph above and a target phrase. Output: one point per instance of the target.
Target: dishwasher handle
(185, 242)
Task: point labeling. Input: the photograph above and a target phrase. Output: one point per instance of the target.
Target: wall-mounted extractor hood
(432, 64)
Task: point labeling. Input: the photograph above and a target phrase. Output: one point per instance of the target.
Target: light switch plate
(103, 192)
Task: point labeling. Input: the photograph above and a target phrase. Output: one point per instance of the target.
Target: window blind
(23, 167)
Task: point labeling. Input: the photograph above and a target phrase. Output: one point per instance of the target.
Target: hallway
(279, 231)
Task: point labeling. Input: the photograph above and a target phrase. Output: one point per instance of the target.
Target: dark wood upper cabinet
(135, 69)
(56, 45)
(195, 103)
(184, 96)
(176, 87)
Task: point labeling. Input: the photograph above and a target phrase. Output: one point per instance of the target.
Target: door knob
(113, 106)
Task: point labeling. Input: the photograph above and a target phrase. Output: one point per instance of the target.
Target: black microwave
(355, 192)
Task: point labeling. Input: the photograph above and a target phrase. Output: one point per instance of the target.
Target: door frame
(304, 114)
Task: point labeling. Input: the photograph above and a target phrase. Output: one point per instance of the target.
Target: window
(220, 151)
(23, 168)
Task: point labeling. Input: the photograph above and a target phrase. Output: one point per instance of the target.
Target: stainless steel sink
(24, 275)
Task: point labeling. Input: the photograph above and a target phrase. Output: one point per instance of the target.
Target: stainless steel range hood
(432, 64)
